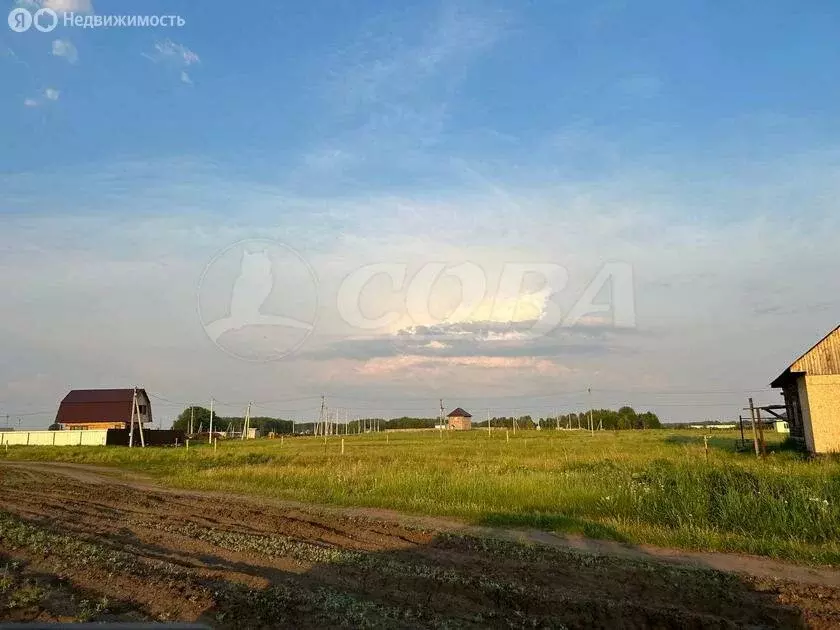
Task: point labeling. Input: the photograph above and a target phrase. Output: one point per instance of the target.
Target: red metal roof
(97, 405)
(459, 413)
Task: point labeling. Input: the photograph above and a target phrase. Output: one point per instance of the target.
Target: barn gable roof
(97, 405)
(821, 358)
(459, 413)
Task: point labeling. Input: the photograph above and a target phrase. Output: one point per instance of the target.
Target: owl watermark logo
(258, 300)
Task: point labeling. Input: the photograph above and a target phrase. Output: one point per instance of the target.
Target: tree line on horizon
(625, 418)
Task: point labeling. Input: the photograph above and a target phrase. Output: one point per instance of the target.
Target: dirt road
(79, 544)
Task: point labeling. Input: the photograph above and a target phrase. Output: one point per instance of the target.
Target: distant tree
(201, 418)
(406, 423)
(263, 424)
(610, 419)
(525, 422)
(626, 417)
(650, 420)
(54, 427)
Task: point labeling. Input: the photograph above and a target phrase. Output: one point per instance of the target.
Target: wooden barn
(811, 387)
(459, 420)
(102, 409)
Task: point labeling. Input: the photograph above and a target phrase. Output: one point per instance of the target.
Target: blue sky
(696, 144)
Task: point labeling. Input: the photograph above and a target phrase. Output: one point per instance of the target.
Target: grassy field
(653, 487)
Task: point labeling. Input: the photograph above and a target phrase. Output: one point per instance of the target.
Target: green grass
(654, 487)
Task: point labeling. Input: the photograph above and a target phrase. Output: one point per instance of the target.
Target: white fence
(94, 437)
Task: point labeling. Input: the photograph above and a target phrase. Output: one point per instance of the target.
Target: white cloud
(69, 6)
(51, 94)
(65, 48)
(383, 68)
(407, 363)
(176, 57)
(397, 90)
(167, 51)
(59, 6)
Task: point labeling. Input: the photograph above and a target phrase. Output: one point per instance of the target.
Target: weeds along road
(79, 544)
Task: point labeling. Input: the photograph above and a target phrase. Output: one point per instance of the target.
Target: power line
(235, 402)
(51, 412)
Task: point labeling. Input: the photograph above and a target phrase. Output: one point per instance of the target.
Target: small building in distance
(811, 387)
(781, 426)
(459, 420)
(102, 409)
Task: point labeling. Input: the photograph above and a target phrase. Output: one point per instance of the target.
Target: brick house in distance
(102, 409)
(459, 420)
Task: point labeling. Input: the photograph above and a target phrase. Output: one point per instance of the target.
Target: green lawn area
(654, 486)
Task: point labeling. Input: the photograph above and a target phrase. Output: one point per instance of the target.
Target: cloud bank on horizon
(440, 146)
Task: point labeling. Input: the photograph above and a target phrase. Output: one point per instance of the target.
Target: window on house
(142, 408)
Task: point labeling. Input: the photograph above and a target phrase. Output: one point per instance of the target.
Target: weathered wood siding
(823, 359)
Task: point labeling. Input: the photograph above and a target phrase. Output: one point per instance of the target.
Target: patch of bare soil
(77, 545)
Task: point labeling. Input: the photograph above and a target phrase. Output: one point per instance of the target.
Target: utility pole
(192, 418)
(135, 413)
(210, 439)
(321, 415)
(755, 431)
(591, 424)
(247, 421)
(488, 424)
(758, 421)
(139, 420)
(131, 425)
(440, 417)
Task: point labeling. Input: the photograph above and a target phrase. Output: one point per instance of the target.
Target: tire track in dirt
(245, 562)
